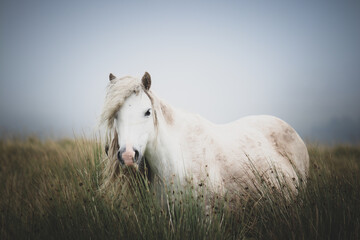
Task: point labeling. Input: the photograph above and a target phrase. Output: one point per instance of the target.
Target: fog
(222, 59)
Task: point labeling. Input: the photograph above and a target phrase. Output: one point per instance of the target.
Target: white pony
(184, 146)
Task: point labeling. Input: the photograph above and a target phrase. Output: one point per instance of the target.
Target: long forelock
(118, 91)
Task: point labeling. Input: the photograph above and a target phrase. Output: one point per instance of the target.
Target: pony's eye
(148, 113)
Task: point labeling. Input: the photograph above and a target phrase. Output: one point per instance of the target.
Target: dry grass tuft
(50, 190)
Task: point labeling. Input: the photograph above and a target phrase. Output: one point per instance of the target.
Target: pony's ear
(111, 76)
(146, 80)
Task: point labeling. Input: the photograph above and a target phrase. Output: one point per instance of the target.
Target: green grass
(50, 190)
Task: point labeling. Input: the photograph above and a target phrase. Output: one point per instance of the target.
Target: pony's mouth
(140, 167)
(137, 164)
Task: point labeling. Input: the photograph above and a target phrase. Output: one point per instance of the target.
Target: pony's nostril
(136, 155)
(120, 158)
(107, 149)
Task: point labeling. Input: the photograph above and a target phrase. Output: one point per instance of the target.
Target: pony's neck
(164, 150)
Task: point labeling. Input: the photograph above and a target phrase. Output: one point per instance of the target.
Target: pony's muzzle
(128, 156)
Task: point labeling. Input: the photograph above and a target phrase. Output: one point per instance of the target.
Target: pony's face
(134, 124)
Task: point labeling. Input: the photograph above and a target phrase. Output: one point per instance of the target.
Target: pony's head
(130, 119)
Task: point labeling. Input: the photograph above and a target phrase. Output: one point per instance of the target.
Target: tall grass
(50, 190)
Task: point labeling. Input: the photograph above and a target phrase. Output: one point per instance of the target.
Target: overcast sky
(298, 60)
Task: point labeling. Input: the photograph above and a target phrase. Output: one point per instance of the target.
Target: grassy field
(50, 190)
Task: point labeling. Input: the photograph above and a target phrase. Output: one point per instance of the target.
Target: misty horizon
(220, 59)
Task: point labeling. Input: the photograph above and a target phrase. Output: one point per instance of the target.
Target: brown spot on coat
(279, 148)
(281, 140)
(220, 157)
(167, 113)
(288, 134)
